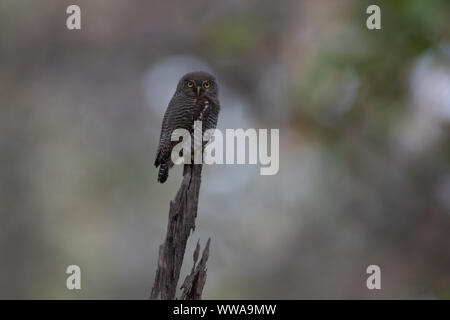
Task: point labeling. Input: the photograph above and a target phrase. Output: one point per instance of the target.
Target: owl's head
(196, 84)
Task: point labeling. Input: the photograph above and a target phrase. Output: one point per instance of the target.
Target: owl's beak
(198, 91)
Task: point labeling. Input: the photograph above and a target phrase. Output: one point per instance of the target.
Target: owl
(195, 99)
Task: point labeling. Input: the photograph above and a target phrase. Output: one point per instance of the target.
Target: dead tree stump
(182, 214)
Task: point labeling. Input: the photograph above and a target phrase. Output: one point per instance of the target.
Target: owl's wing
(178, 115)
(164, 138)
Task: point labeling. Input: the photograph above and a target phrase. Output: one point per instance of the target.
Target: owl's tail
(163, 172)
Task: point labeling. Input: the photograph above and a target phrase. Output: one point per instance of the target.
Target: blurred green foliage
(234, 36)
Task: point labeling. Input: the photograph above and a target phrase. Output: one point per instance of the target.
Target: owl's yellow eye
(206, 85)
(190, 84)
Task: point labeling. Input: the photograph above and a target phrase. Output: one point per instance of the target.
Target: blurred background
(364, 119)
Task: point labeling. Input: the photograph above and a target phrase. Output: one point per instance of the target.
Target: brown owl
(195, 99)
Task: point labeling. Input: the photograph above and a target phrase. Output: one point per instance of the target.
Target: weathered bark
(182, 214)
(195, 281)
